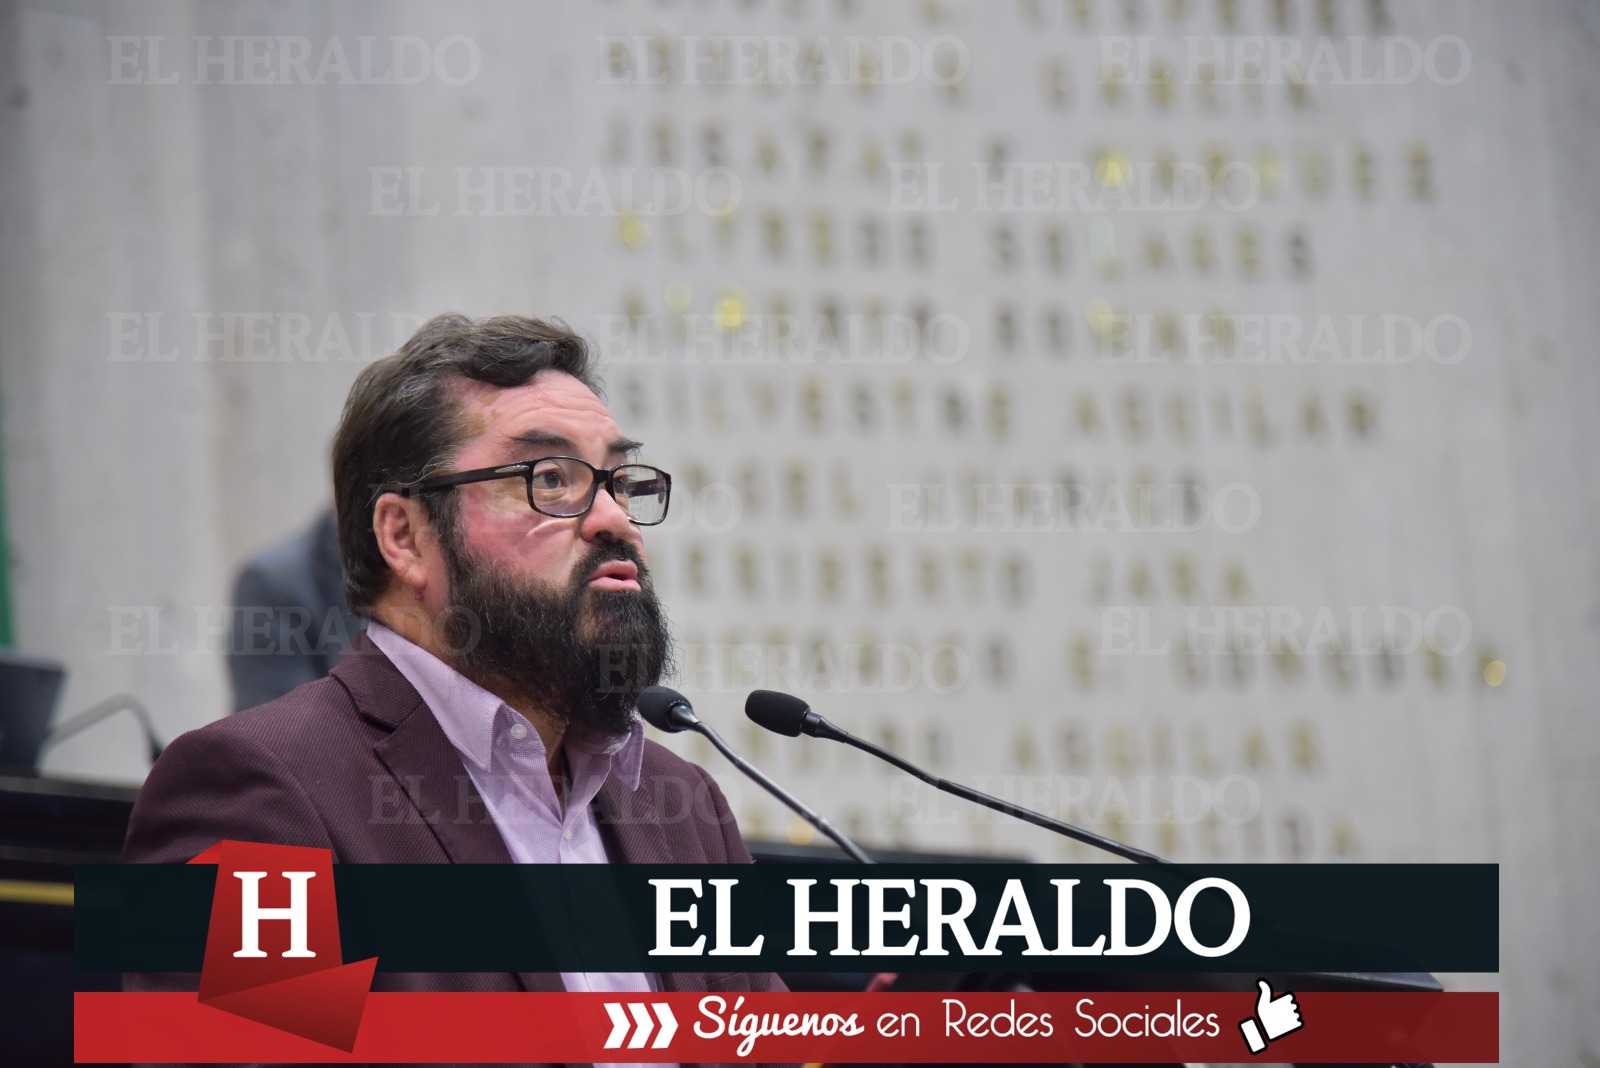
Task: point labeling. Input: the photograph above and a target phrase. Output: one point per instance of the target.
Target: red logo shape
(272, 951)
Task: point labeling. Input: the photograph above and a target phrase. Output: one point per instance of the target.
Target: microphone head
(781, 713)
(658, 705)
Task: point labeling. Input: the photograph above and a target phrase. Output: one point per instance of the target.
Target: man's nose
(607, 521)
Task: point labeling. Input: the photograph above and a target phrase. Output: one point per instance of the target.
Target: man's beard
(581, 655)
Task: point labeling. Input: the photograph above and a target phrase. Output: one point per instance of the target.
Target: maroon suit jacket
(356, 763)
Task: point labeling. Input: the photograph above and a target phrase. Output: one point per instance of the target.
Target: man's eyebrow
(547, 439)
(539, 439)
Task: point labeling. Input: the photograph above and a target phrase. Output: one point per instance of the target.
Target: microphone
(103, 710)
(670, 712)
(784, 713)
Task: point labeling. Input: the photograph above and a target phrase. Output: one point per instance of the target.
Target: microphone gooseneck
(786, 714)
(669, 711)
(103, 710)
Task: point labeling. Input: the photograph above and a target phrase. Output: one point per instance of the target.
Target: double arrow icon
(622, 1024)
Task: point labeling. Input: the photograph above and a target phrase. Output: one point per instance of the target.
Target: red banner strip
(481, 1028)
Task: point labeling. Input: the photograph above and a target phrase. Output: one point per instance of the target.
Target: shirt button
(568, 835)
(519, 731)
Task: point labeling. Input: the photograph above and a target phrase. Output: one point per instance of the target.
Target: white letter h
(253, 913)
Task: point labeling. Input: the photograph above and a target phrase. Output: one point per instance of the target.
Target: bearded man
(490, 529)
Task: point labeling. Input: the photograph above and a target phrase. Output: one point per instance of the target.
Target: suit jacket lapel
(631, 827)
(628, 821)
(419, 756)
(428, 769)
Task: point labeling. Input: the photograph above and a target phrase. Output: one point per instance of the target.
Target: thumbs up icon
(1274, 1016)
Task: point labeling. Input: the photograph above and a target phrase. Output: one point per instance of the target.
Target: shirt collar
(467, 713)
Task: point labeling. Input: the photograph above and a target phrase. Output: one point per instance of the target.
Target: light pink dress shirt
(506, 759)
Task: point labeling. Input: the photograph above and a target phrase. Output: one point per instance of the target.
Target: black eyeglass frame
(524, 468)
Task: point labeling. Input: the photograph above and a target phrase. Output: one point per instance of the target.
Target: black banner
(599, 917)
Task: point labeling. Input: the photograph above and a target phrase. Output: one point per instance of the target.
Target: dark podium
(47, 826)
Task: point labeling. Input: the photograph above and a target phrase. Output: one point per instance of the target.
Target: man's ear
(404, 535)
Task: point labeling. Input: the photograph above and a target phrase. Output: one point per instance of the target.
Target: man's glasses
(565, 486)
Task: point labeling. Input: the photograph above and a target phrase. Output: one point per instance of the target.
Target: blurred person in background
(290, 623)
